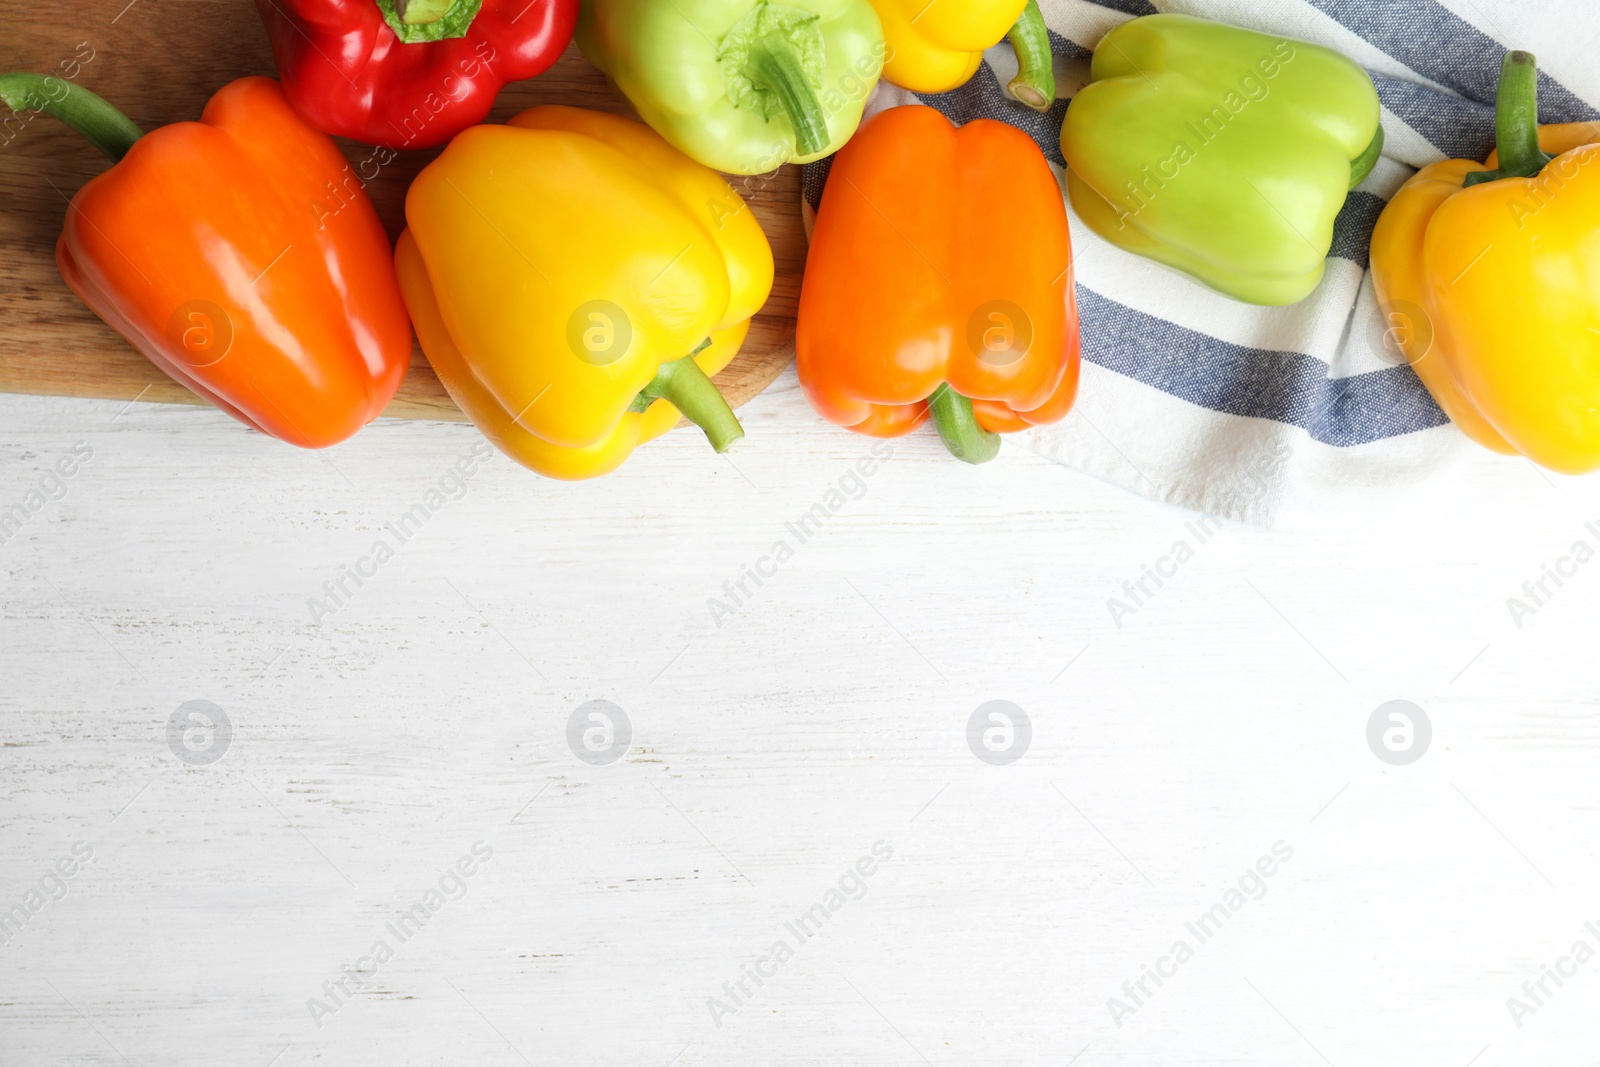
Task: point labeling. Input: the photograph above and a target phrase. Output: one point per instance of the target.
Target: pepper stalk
(779, 71)
(1516, 122)
(91, 115)
(684, 385)
(958, 427)
(1362, 165)
(769, 51)
(418, 21)
(422, 12)
(1035, 83)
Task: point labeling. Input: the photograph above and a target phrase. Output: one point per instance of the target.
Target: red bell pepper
(409, 75)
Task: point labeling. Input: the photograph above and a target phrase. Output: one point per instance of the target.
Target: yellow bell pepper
(574, 281)
(1489, 276)
(936, 47)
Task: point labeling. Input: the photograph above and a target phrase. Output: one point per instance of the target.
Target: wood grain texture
(50, 344)
(770, 750)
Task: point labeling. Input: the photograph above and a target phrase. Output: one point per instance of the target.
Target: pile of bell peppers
(577, 279)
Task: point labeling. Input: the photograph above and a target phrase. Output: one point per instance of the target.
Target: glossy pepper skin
(1221, 152)
(743, 86)
(934, 48)
(357, 69)
(939, 282)
(564, 271)
(1490, 278)
(210, 248)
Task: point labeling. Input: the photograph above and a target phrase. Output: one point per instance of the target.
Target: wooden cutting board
(160, 63)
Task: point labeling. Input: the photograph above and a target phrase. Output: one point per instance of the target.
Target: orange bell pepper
(239, 254)
(1489, 276)
(939, 283)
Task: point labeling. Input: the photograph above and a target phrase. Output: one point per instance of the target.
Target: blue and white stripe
(1194, 399)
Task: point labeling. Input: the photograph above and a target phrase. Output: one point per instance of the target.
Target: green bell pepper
(1221, 152)
(743, 86)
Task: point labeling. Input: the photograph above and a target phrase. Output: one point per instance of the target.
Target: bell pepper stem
(106, 128)
(422, 12)
(686, 387)
(774, 66)
(1362, 165)
(958, 427)
(1035, 83)
(425, 21)
(1516, 122)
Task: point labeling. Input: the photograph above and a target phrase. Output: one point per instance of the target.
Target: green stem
(107, 128)
(1035, 83)
(958, 427)
(774, 66)
(422, 12)
(421, 21)
(686, 387)
(1362, 165)
(1516, 122)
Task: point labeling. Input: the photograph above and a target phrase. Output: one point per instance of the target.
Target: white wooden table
(229, 887)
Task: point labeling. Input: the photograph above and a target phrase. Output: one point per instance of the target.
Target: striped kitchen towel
(1266, 414)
